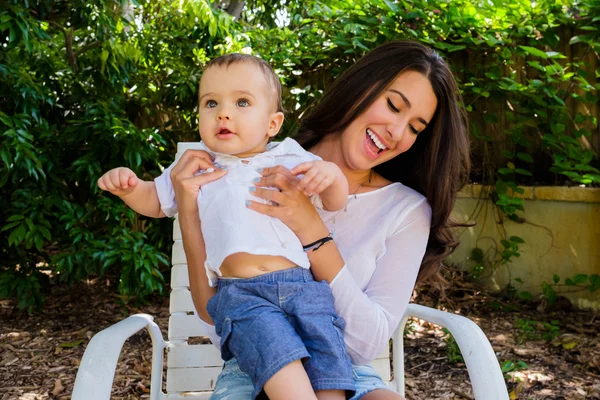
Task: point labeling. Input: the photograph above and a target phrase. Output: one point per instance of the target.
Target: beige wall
(562, 234)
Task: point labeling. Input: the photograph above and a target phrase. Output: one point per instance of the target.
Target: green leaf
(549, 293)
(391, 5)
(559, 100)
(45, 232)
(522, 171)
(525, 295)
(450, 47)
(525, 157)
(534, 52)
(516, 239)
(508, 366)
(557, 128)
(569, 282)
(212, 27)
(501, 187)
(71, 344)
(555, 278)
(505, 53)
(358, 43)
(573, 175)
(39, 243)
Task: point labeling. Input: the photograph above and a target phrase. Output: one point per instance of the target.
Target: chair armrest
(97, 369)
(482, 365)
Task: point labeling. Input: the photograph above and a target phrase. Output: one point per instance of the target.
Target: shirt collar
(287, 147)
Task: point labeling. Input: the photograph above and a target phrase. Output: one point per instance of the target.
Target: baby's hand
(318, 176)
(119, 181)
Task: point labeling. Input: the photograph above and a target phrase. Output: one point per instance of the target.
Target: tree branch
(87, 47)
(71, 58)
(59, 27)
(235, 8)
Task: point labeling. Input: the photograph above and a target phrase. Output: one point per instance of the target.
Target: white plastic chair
(192, 369)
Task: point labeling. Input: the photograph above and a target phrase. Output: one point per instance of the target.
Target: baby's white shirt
(228, 226)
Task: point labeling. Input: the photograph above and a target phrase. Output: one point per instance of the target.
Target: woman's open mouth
(374, 144)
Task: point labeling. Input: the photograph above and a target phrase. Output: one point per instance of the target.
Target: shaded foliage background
(91, 85)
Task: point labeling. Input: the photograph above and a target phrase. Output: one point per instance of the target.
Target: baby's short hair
(267, 70)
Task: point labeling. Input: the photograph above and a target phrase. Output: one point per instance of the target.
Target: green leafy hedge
(88, 86)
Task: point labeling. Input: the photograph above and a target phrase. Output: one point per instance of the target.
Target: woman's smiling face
(390, 125)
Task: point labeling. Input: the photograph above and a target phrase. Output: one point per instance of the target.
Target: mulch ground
(546, 354)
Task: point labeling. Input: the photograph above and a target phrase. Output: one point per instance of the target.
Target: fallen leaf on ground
(58, 387)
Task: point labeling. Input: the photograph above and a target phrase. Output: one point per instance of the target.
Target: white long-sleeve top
(382, 237)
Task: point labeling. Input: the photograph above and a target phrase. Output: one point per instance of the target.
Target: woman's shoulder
(391, 209)
(397, 199)
(408, 192)
(394, 191)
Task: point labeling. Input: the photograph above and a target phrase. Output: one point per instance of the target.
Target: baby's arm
(325, 179)
(140, 195)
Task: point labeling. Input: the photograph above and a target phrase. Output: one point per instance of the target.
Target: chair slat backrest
(192, 369)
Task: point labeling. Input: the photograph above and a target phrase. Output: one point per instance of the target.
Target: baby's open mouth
(375, 141)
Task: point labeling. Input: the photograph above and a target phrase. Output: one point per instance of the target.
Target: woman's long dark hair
(437, 165)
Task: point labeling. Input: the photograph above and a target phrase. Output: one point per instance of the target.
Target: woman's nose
(397, 131)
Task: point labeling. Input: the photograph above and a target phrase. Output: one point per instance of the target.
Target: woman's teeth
(376, 141)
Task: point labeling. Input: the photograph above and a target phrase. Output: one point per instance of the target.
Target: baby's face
(237, 109)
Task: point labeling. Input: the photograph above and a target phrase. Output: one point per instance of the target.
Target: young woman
(395, 125)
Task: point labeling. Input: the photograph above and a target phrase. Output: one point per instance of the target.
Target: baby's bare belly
(245, 265)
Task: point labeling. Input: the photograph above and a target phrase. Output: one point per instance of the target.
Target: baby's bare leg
(290, 383)
(331, 395)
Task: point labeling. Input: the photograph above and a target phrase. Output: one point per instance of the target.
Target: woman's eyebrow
(403, 97)
(408, 105)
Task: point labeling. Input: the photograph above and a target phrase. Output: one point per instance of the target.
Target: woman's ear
(275, 123)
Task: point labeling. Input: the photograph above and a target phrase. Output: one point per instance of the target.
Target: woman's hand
(186, 181)
(288, 204)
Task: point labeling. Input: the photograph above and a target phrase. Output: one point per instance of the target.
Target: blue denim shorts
(233, 384)
(268, 321)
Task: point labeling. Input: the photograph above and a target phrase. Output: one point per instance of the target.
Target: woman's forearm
(195, 252)
(326, 262)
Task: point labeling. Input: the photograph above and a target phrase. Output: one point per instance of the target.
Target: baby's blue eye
(243, 103)
(211, 104)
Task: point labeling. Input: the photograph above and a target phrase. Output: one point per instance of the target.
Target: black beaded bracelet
(316, 245)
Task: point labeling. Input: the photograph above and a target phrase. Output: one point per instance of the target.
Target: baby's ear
(275, 123)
